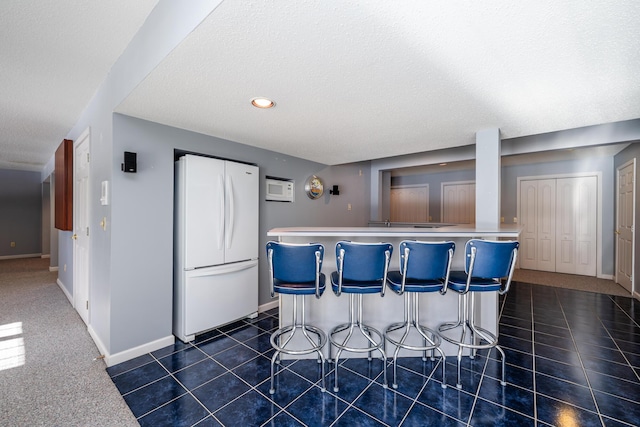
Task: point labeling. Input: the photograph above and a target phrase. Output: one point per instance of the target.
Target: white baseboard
(132, 353)
(268, 306)
(21, 256)
(53, 268)
(66, 292)
(98, 342)
(45, 256)
(606, 276)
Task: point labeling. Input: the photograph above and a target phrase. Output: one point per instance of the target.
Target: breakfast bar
(330, 310)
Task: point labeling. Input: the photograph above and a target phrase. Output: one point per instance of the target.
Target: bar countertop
(432, 230)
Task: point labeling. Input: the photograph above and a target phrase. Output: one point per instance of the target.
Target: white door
(81, 228)
(625, 225)
(576, 225)
(528, 253)
(546, 225)
(459, 203)
(242, 203)
(410, 204)
(202, 182)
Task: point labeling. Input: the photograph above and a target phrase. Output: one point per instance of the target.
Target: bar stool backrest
(491, 259)
(295, 263)
(426, 260)
(363, 262)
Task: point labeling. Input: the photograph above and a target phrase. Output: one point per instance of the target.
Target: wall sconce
(335, 191)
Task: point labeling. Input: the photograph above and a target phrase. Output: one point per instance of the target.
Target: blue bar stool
(362, 269)
(487, 263)
(424, 267)
(295, 270)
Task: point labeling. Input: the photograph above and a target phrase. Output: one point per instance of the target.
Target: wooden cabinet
(64, 186)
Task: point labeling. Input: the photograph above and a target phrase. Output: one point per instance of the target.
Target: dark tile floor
(573, 360)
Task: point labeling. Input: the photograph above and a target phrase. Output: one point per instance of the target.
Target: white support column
(488, 178)
(488, 167)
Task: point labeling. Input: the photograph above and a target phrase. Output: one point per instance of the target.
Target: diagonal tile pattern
(573, 358)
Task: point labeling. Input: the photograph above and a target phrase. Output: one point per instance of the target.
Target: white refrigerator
(216, 244)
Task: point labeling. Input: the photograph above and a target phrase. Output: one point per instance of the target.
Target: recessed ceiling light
(442, 164)
(262, 103)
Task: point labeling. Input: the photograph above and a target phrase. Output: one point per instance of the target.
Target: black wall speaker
(130, 162)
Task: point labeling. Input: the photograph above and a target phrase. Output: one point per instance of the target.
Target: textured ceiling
(53, 57)
(358, 80)
(353, 80)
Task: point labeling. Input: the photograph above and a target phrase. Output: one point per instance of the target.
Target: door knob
(74, 237)
(617, 232)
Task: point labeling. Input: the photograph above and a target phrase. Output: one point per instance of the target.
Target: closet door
(576, 202)
(528, 253)
(459, 203)
(537, 215)
(546, 253)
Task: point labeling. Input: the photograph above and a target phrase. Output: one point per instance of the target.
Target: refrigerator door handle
(221, 216)
(229, 231)
(222, 269)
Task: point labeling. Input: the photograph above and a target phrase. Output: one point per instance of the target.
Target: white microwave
(279, 190)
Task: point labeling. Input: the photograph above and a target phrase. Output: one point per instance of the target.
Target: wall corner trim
(123, 356)
(268, 306)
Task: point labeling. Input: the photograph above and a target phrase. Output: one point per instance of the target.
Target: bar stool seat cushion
(458, 283)
(302, 288)
(355, 286)
(394, 281)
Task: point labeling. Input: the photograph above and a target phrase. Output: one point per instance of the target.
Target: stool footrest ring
(281, 348)
(366, 331)
(432, 343)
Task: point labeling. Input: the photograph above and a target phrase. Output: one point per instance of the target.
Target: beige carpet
(570, 281)
(49, 375)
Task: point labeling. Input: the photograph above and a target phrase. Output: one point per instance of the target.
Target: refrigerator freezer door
(203, 215)
(242, 202)
(218, 295)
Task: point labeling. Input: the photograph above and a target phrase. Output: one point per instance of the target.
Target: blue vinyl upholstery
(486, 264)
(424, 267)
(295, 269)
(362, 267)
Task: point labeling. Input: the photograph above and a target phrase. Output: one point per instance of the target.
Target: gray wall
(630, 153)
(20, 213)
(46, 219)
(509, 192)
(142, 214)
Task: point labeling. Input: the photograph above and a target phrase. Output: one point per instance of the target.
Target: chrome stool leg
(355, 321)
(412, 320)
(477, 334)
(291, 331)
